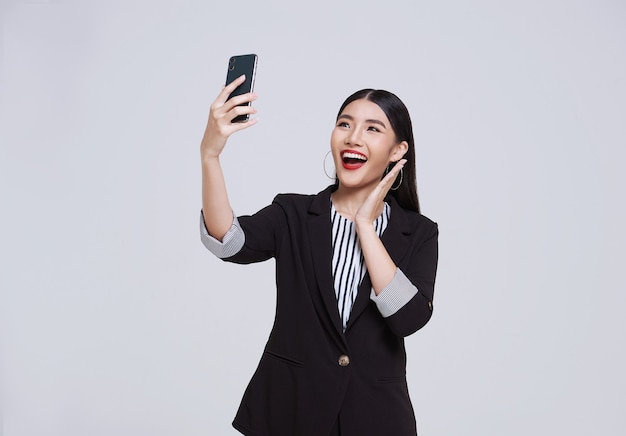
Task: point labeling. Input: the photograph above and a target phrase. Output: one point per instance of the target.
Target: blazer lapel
(319, 229)
(396, 241)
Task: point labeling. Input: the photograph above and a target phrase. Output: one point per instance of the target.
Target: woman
(356, 268)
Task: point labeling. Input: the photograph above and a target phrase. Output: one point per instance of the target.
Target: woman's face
(363, 144)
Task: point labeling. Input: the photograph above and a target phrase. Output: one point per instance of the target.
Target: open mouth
(353, 160)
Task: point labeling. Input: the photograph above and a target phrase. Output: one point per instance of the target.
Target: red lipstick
(352, 160)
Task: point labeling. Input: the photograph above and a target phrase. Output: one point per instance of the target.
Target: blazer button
(344, 360)
(430, 305)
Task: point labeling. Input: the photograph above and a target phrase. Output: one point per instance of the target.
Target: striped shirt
(348, 265)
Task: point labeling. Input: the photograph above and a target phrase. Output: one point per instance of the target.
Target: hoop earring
(325, 170)
(395, 188)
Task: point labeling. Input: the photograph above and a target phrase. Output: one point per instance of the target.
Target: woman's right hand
(219, 126)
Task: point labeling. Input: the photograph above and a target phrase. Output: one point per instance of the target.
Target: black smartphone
(238, 65)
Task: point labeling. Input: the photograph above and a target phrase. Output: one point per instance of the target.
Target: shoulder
(423, 220)
(414, 220)
(423, 227)
(304, 202)
(293, 198)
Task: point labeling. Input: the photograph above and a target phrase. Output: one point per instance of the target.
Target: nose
(354, 137)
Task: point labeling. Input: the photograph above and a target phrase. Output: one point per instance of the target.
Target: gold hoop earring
(326, 170)
(395, 188)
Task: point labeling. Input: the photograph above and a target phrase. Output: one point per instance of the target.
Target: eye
(342, 124)
(373, 129)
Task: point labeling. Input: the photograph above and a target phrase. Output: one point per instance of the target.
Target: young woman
(356, 268)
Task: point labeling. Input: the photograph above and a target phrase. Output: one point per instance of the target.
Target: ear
(398, 151)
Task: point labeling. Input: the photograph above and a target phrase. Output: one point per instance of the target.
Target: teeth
(354, 156)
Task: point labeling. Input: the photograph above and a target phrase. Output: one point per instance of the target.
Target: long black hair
(398, 115)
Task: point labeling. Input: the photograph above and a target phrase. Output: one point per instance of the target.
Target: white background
(117, 321)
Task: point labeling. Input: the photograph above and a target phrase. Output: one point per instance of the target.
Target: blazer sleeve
(263, 234)
(420, 269)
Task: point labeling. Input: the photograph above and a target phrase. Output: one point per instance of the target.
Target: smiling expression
(363, 143)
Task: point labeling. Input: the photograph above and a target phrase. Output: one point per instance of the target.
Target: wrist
(212, 147)
(209, 159)
(364, 225)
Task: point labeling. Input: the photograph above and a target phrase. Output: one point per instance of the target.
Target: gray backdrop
(117, 321)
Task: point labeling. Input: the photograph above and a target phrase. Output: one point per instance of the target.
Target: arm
(218, 216)
(402, 293)
(417, 271)
(380, 266)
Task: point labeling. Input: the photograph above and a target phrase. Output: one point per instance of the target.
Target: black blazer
(311, 372)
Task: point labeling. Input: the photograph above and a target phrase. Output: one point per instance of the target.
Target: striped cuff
(230, 244)
(395, 295)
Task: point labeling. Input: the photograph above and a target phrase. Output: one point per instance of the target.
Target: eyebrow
(373, 121)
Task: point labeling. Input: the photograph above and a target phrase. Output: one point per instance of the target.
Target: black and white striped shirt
(348, 266)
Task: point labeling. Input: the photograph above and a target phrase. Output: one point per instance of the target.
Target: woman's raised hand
(218, 215)
(219, 126)
(372, 207)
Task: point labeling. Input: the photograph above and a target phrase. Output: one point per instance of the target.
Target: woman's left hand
(372, 207)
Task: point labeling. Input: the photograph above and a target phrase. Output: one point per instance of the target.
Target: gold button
(344, 360)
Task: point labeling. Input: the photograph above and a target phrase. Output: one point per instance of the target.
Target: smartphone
(238, 65)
